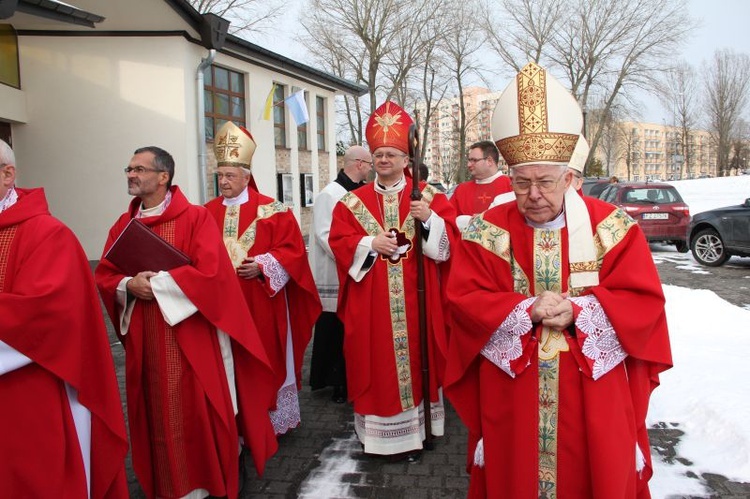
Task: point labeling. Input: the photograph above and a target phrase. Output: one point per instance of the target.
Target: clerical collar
(241, 198)
(557, 223)
(397, 187)
(344, 181)
(490, 179)
(156, 210)
(9, 199)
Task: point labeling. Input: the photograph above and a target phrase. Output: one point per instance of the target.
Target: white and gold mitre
(536, 120)
(234, 146)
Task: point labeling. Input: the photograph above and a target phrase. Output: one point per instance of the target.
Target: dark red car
(658, 208)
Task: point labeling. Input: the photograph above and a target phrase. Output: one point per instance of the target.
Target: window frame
(213, 120)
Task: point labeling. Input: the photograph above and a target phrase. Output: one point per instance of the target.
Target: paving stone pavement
(322, 458)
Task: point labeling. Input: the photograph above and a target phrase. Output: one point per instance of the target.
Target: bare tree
(247, 17)
(727, 83)
(680, 93)
(378, 43)
(522, 30)
(460, 48)
(602, 46)
(630, 150)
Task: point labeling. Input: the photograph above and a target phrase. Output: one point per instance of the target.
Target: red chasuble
(182, 425)
(380, 313)
(582, 431)
(267, 226)
(50, 313)
(471, 198)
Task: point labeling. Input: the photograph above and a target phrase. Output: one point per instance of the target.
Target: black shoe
(339, 394)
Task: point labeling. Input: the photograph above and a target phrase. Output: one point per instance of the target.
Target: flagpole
(416, 195)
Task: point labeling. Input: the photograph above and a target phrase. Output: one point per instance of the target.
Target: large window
(224, 92)
(320, 116)
(279, 116)
(9, 70)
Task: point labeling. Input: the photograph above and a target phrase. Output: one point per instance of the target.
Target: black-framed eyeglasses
(364, 161)
(139, 170)
(545, 185)
(471, 161)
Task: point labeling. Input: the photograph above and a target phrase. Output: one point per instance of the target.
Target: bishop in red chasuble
(372, 238)
(559, 330)
(267, 250)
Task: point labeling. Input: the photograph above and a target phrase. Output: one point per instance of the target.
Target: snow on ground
(708, 193)
(706, 392)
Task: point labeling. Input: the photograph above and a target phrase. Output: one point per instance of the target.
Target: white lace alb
(601, 344)
(504, 345)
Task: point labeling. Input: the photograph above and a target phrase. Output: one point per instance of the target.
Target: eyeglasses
(139, 170)
(471, 161)
(390, 156)
(364, 161)
(228, 176)
(545, 186)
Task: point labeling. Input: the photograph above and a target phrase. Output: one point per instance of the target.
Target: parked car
(658, 208)
(593, 186)
(716, 235)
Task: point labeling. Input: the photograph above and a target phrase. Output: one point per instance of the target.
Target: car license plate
(655, 216)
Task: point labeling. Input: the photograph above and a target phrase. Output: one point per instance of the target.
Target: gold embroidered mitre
(234, 146)
(536, 120)
(388, 126)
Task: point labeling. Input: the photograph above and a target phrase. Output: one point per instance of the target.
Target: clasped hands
(140, 285)
(249, 269)
(553, 310)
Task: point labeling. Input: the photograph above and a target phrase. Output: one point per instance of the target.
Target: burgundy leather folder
(138, 248)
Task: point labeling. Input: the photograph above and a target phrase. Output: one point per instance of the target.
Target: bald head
(357, 163)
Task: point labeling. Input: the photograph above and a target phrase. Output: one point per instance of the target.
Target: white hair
(563, 167)
(6, 154)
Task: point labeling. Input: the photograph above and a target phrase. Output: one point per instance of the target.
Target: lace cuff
(275, 273)
(600, 343)
(504, 346)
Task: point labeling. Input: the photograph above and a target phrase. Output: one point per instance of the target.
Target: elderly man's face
(540, 190)
(7, 179)
(232, 180)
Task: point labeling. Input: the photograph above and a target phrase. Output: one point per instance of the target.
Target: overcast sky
(724, 24)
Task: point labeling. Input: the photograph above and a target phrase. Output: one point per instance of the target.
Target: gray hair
(7, 157)
(163, 161)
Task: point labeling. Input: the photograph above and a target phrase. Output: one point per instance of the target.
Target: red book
(138, 248)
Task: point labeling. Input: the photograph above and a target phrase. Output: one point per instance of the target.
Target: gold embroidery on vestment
(238, 246)
(548, 277)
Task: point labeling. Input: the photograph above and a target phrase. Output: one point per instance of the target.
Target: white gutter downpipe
(201, 121)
